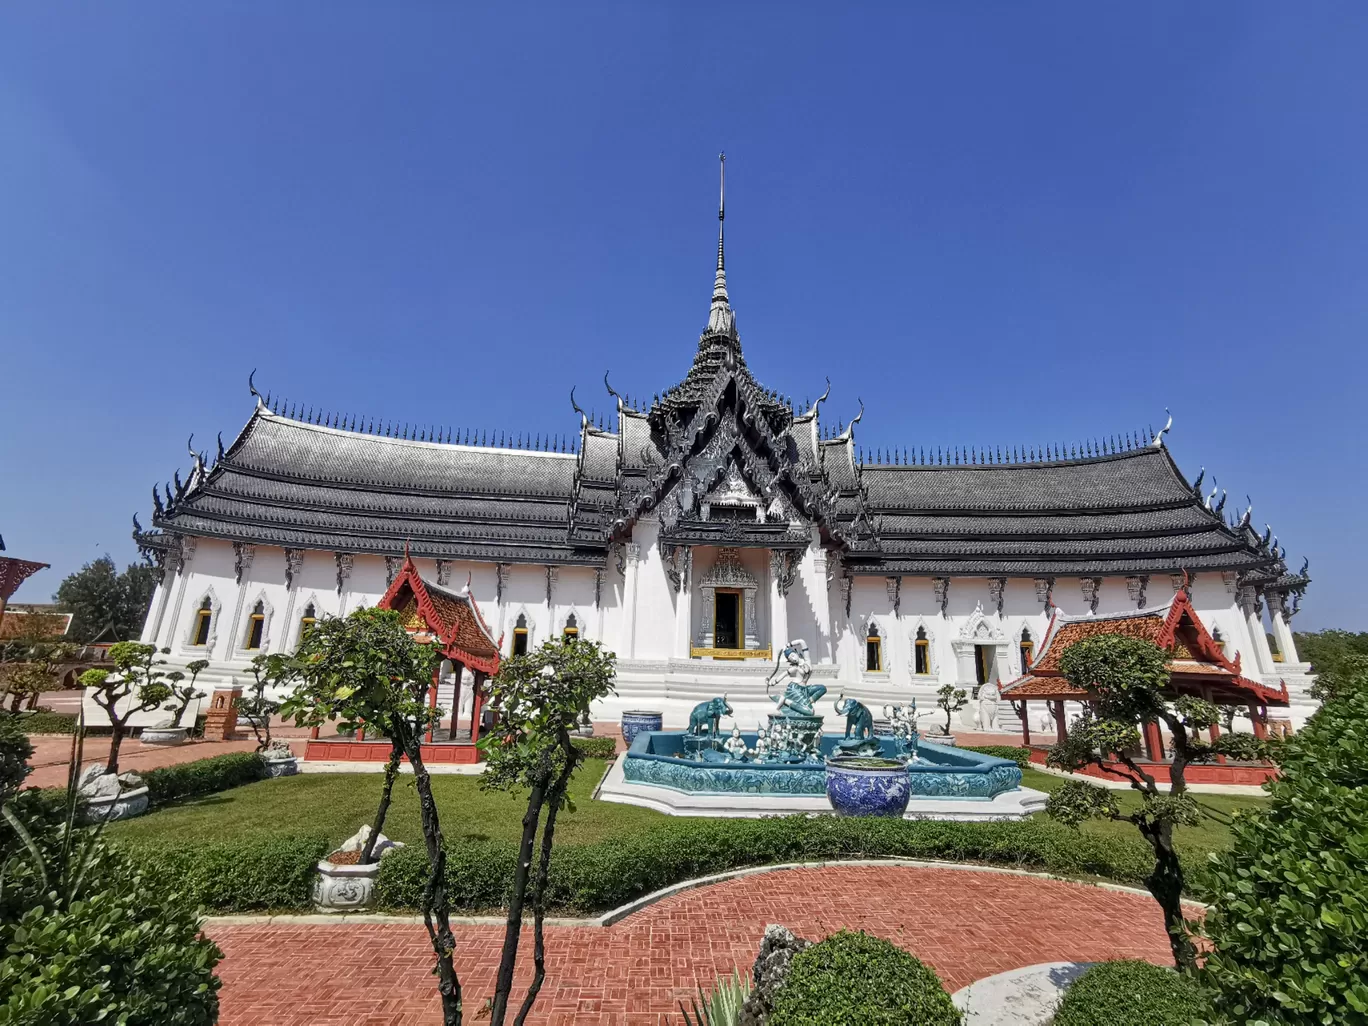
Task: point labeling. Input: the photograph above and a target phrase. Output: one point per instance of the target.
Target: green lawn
(336, 804)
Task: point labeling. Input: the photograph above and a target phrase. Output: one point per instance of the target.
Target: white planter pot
(344, 888)
(946, 740)
(164, 735)
(120, 806)
(286, 767)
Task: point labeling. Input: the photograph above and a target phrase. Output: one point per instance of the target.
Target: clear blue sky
(995, 223)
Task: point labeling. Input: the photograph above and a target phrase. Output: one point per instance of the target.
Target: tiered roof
(452, 619)
(703, 457)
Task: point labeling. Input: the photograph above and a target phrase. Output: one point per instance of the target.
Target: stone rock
(357, 842)
(94, 782)
(278, 749)
(777, 949)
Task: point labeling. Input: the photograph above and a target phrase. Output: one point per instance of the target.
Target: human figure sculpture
(989, 695)
(859, 720)
(762, 746)
(905, 732)
(735, 745)
(799, 696)
(703, 721)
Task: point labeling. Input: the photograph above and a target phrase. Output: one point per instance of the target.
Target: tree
(98, 597)
(1126, 678)
(1325, 649)
(135, 675)
(541, 697)
(31, 661)
(951, 700)
(368, 668)
(268, 671)
(1347, 676)
(183, 694)
(1289, 918)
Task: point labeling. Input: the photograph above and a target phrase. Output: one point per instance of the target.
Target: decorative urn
(344, 884)
(867, 786)
(639, 721)
(280, 759)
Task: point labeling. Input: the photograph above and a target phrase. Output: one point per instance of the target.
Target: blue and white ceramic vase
(636, 721)
(867, 787)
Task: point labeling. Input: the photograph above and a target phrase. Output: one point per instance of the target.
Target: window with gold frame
(203, 620)
(1027, 649)
(571, 631)
(256, 626)
(921, 653)
(873, 650)
(307, 621)
(520, 635)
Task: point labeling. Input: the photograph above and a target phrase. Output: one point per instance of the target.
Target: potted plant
(867, 786)
(174, 732)
(950, 700)
(273, 672)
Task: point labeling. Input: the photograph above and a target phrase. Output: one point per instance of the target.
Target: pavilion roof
(1197, 663)
(452, 618)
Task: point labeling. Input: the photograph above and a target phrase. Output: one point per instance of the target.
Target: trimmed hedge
(1020, 756)
(853, 979)
(41, 721)
(1132, 993)
(203, 776)
(596, 747)
(237, 876)
(588, 878)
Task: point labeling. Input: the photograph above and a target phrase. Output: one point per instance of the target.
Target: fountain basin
(658, 759)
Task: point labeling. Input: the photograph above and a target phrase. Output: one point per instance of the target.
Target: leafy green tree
(182, 693)
(367, 668)
(135, 674)
(541, 697)
(1347, 676)
(1125, 678)
(98, 596)
(1289, 921)
(31, 661)
(1325, 649)
(950, 700)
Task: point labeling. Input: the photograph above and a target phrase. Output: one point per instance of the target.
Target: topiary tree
(368, 668)
(30, 662)
(951, 700)
(541, 697)
(853, 979)
(135, 674)
(1126, 678)
(182, 693)
(1128, 992)
(1289, 917)
(268, 672)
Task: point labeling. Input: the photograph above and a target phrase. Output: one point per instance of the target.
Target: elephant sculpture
(859, 720)
(706, 715)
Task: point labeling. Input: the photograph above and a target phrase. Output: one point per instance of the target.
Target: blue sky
(995, 223)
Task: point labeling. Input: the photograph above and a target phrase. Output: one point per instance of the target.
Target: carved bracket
(392, 565)
(940, 587)
(1136, 587)
(1092, 589)
(243, 554)
(443, 572)
(1044, 587)
(294, 560)
(345, 560)
(996, 587)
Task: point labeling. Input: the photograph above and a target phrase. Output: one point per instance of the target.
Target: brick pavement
(52, 754)
(966, 924)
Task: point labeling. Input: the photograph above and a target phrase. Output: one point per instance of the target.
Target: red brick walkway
(965, 924)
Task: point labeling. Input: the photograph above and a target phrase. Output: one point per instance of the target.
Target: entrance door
(727, 633)
(983, 664)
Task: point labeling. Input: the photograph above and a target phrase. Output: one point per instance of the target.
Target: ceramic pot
(344, 888)
(867, 787)
(124, 805)
(637, 721)
(164, 735)
(282, 767)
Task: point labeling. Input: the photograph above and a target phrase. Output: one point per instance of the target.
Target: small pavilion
(1198, 666)
(452, 621)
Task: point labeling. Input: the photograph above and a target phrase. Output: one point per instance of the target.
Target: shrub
(1289, 920)
(594, 877)
(87, 938)
(1131, 993)
(40, 721)
(237, 876)
(203, 776)
(853, 979)
(596, 747)
(15, 751)
(1018, 755)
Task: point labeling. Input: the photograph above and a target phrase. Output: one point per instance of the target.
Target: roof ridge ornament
(721, 318)
(848, 433)
(1158, 442)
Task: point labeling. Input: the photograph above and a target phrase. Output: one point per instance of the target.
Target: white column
(778, 602)
(187, 553)
(819, 591)
(1282, 630)
(684, 607)
(631, 588)
(1249, 605)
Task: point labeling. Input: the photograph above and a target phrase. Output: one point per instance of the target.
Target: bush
(1018, 755)
(1290, 911)
(596, 747)
(115, 947)
(40, 721)
(15, 751)
(853, 979)
(593, 877)
(1131, 993)
(237, 876)
(203, 776)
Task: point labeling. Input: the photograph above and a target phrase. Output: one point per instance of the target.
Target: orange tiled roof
(1030, 686)
(18, 623)
(1148, 627)
(454, 618)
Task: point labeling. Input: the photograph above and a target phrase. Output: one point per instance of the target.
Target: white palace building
(696, 534)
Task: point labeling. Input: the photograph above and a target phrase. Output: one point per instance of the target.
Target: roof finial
(721, 319)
